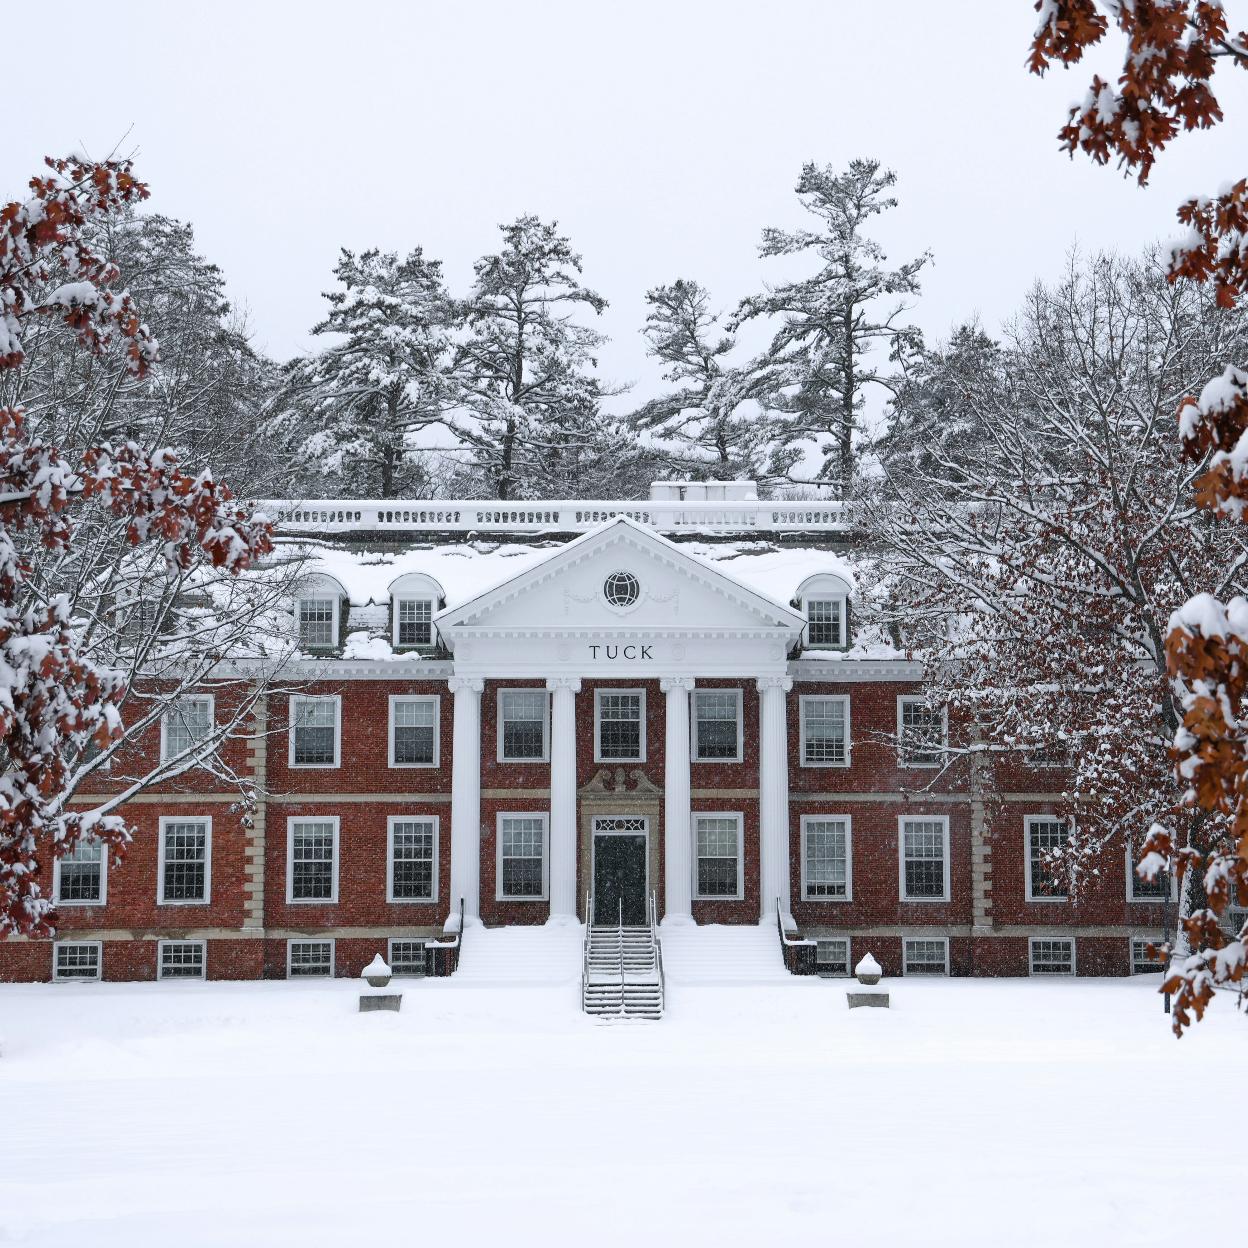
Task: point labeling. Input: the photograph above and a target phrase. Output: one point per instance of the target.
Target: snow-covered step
(521, 955)
(720, 954)
(621, 973)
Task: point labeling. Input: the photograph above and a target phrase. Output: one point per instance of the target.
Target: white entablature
(620, 602)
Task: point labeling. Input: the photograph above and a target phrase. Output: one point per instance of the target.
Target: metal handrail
(784, 940)
(589, 916)
(658, 949)
(619, 949)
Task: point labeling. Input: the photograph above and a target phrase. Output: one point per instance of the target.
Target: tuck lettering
(622, 652)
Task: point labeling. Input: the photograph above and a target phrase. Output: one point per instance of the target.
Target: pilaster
(254, 836)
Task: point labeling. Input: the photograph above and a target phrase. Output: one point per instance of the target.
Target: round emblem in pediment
(678, 652)
(621, 589)
(463, 651)
(563, 652)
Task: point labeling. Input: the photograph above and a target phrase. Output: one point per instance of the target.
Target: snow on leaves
(55, 701)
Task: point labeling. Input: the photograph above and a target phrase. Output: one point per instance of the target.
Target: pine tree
(833, 321)
(529, 403)
(709, 420)
(357, 408)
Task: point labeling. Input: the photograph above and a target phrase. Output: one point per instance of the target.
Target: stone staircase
(519, 956)
(723, 955)
(622, 971)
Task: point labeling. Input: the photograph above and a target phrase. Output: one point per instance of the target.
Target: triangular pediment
(621, 578)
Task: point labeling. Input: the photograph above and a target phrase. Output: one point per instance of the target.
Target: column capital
(474, 683)
(564, 682)
(671, 683)
(784, 683)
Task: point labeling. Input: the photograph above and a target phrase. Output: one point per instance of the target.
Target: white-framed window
(1051, 955)
(832, 955)
(619, 725)
(317, 617)
(925, 955)
(717, 866)
(923, 853)
(185, 724)
(827, 858)
(309, 957)
(1141, 962)
(315, 730)
(412, 858)
(184, 864)
(824, 600)
(414, 735)
(181, 959)
(717, 725)
(824, 729)
(523, 726)
(312, 859)
(1163, 887)
(521, 857)
(405, 957)
(921, 732)
(413, 622)
(414, 599)
(1045, 833)
(77, 959)
(80, 878)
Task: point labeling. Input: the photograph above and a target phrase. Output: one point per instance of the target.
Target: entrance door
(620, 871)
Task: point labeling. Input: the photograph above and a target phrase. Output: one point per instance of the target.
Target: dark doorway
(620, 877)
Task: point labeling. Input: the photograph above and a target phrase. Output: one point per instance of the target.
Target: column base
(452, 921)
(678, 920)
(562, 920)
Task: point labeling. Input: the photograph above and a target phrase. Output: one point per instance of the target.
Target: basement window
(1141, 963)
(406, 957)
(1052, 955)
(76, 959)
(925, 956)
(310, 958)
(181, 959)
(832, 957)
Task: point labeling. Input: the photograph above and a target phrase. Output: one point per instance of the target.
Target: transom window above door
(619, 726)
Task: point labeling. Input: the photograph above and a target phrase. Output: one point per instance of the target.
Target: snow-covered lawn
(1008, 1113)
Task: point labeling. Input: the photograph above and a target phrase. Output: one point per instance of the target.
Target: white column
(466, 800)
(677, 832)
(563, 797)
(773, 797)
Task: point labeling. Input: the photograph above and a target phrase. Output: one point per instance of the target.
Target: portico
(598, 626)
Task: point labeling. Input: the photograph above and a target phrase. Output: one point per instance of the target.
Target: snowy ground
(972, 1113)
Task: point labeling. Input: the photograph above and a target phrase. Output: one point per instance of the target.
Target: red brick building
(515, 707)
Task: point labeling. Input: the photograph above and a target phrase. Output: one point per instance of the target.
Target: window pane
(619, 726)
(922, 733)
(315, 731)
(182, 959)
(412, 862)
(824, 616)
(716, 724)
(415, 622)
(312, 861)
(414, 730)
(924, 957)
(311, 957)
(82, 873)
(717, 839)
(187, 722)
(524, 723)
(407, 957)
(522, 845)
(823, 723)
(827, 858)
(832, 956)
(924, 849)
(1045, 836)
(77, 961)
(316, 622)
(185, 861)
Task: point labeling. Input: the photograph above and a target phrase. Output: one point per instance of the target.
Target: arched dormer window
(414, 600)
(318, 612)
(824, 600)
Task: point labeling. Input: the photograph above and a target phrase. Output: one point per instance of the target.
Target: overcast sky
(662, 136)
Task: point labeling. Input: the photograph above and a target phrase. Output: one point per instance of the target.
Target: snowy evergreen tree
(1036, 530)
(834, 323)
(531, 410)
(711, 420)
(355, 411)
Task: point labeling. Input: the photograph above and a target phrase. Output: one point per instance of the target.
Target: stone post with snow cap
(466, 800)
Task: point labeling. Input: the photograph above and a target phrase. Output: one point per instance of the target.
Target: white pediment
(621, 585)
